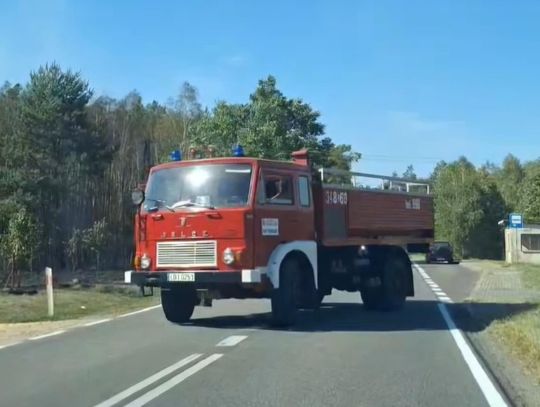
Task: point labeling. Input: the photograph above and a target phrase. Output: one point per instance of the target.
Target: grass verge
(73, 303)
(521, 336)
(520, 333)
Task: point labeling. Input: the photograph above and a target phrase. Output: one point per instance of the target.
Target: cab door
(284, 211)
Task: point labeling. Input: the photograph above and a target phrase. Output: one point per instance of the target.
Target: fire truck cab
(239, 227)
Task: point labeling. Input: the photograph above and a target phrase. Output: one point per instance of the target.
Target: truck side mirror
(137, 197)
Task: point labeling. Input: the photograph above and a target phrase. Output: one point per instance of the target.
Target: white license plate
(181, 277)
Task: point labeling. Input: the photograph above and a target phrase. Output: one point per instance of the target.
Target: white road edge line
(101, 321)
(489, 390)
(35, 338)
(232, 340)
(148, 381)
(169, 384)
(7, 345)
(139, 311)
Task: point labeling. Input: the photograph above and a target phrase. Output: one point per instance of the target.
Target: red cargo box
(352, 216)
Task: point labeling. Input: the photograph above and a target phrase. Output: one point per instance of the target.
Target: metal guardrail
(387, 183)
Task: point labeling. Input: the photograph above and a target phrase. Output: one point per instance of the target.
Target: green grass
(520, 333)
(72, 303)
(521, 336)
(531, 275)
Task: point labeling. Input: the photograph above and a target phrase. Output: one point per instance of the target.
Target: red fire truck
(239, 227)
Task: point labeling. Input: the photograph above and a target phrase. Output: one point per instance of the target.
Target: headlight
(228, 256)
(145, 262)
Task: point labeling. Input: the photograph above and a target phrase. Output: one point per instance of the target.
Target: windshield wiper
(185, 204)
(160, 203)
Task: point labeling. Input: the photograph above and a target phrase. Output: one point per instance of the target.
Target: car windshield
(198, 186)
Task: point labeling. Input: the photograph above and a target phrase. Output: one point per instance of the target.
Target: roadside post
(50, 297)
(515, 221)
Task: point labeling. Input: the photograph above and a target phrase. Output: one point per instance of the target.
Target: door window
(303, 191)
(278, 189)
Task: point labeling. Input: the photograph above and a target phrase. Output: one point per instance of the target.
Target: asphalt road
(339, 356)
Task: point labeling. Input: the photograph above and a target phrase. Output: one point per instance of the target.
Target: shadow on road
(350, 317)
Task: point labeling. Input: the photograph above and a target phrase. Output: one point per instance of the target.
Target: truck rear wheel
(284, 299)
(178, 303)
(371, 298)
(391, 293)
(394, 284)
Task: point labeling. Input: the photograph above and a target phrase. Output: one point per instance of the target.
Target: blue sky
(402, 81)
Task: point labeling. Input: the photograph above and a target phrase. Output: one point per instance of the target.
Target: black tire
(178, 303)
(392, 292)
(394, 284)
(284, 298)
(316, 300)
(371, 298)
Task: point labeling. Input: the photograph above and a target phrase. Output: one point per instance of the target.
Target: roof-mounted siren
(238, 151)
(301, 157)
(175, 155)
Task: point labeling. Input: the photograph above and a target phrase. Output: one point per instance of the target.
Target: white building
(522, 245)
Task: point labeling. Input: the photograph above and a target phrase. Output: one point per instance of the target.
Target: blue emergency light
(238, 151)
(176, 155)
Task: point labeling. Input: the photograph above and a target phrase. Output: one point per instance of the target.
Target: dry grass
(520, 333)
(72, 303)
(521, 336)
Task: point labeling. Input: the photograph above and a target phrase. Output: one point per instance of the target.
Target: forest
(69, 160)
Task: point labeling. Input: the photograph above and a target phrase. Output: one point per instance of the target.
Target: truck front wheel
(284, 298)
(178, 303)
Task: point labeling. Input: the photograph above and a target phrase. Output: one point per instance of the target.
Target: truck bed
(346, 215)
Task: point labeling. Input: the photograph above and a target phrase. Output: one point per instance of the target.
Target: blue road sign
(515, 220)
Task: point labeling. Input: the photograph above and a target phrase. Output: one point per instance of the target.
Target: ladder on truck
(373, 182)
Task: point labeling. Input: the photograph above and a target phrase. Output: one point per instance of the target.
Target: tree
(19, 243)
(457, 203)
(509, 179)
(486, 239)
(530, 197)
(272, 126)
(409, 172)
(189, 110)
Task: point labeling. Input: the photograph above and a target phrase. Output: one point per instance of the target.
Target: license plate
(184, 277)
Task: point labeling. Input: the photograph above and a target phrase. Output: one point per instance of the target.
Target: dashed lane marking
(148, 381)
(232, 340)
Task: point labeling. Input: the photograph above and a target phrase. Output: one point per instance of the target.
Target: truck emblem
(182, 221)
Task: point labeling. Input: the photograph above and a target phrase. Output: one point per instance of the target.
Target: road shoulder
(497, 298)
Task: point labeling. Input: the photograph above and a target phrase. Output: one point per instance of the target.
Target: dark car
(440, 252)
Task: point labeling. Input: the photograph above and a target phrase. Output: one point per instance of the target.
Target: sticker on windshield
(270, 226)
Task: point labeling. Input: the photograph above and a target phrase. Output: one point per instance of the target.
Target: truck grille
(187, 254)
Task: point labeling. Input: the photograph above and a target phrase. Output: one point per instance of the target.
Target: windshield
(206, 186)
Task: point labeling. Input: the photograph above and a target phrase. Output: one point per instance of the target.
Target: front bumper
(161, 278)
